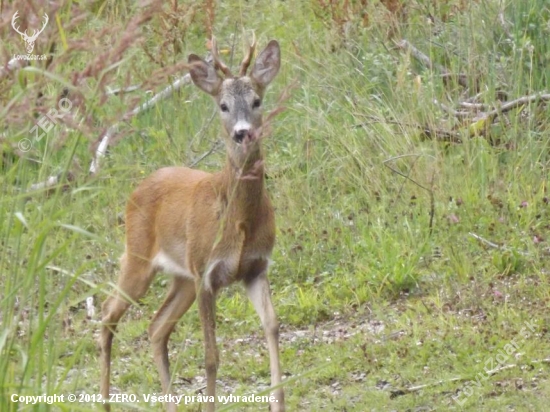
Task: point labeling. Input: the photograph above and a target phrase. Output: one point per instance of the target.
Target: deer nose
(239, 135)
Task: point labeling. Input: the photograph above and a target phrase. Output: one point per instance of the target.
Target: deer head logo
(29, 39)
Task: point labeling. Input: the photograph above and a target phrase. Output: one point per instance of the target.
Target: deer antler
(35, 33)
(13, 19)
(246, 61)
(218, 64)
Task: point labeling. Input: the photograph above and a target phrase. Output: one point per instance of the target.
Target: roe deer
(208, 230)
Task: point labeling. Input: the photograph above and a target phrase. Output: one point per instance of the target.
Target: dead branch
(418, 55)
(506, 107)
(104, 141)
(111, 131)
(478, 118)
(426, 61)
(473, 106)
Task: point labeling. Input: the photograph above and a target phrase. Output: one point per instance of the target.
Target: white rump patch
(224, 268)
(162, 261)
(223, 273)
(207, 278)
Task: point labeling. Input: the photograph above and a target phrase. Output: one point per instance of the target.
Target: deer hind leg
(135, 277)
(179, 299)
(257, 288)
(207, 288)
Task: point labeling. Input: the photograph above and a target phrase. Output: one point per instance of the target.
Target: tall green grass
(355, 246)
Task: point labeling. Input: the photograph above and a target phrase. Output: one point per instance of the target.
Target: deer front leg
(179, 299)
(259, 294)
(207, 306)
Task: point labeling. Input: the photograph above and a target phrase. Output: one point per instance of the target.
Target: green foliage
(400, 260)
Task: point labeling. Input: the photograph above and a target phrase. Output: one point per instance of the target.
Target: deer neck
(243, 184)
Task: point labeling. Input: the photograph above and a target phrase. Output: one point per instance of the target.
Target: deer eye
(224, 107)
(256, 104)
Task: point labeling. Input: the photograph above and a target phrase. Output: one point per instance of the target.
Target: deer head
(29, 39)
(239, 98)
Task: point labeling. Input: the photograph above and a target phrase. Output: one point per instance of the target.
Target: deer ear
(204, 75)
(267, 64)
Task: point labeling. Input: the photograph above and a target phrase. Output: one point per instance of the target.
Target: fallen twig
(512, 105)
(110, 132)
(418, 55)
(485, 241)
(489, 115)
(495, 246)
(477, 118)
(473, 106)
(413, 389)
